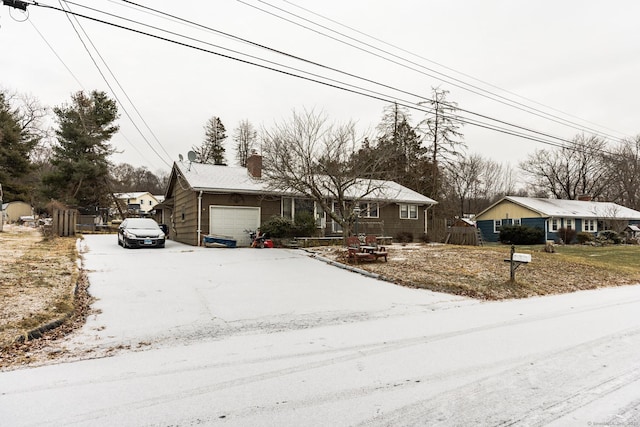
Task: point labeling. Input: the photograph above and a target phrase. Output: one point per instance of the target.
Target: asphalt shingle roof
(215, 178)
(576, 208)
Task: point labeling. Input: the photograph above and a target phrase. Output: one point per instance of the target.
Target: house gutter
(426, 219)
(199, 217)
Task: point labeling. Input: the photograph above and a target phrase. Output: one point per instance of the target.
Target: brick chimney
(585, 198)
(254, 165)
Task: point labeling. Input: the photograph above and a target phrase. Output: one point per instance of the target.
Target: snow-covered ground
(249, 337)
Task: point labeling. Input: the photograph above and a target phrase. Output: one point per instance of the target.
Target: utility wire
(173, 17)
(443, 66)
(54, 52)
(385, 99)
(95, 63)
(458, 83)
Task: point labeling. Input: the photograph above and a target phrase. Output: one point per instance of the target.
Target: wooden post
(516, 260)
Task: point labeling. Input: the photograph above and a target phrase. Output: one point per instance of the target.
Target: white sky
(577, 57)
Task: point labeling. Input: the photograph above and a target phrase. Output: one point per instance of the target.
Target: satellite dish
(180, 157)
(192, 156)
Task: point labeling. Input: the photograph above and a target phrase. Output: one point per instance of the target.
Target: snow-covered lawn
(274, 337)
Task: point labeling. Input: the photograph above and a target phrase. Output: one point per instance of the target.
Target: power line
(441, 65)
(452, 80)
(380, 98)
(55, 53)
(95, 63)
(328, 68)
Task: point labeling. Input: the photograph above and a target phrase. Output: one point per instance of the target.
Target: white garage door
(232, 221)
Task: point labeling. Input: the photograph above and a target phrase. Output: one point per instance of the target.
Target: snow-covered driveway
(250, 337)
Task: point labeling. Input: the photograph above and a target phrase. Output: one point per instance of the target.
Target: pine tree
(212, 150)
(16, 144)
(80, 160)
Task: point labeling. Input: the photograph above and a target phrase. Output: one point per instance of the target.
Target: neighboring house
(206, 199)
(12, 211)
(551, 215)
(137, 203)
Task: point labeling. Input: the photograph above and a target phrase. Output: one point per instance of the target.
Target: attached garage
(233, 221)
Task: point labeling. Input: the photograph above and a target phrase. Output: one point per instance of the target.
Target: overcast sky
(557, 61)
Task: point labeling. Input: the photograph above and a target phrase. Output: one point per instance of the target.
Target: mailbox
(521, 257)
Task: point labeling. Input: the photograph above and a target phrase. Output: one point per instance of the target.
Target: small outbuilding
(12, 211)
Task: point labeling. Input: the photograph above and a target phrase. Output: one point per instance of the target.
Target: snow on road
(273, 337)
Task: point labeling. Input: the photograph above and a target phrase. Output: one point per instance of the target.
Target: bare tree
(127, 178)
(475, 182)
(465, 178)
(497, 180)
(624, 164)
(571, 171)
(314, 159)
(245, 137)
(442, 136)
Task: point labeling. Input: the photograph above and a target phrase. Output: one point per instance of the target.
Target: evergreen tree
(212, 150)
(80, 159)
(16, 144)
(398, 148)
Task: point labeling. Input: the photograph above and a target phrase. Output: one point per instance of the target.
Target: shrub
(404, 237)
(278, 226)
(304, 225)
(521, 235)
(567, 235)
(609, 236)
(584, 237)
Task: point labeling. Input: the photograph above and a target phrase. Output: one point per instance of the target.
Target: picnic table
(358, 252)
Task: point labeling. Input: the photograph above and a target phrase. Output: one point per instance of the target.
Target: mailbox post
(515, 261)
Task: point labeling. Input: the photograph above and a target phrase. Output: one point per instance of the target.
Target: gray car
(140, 232)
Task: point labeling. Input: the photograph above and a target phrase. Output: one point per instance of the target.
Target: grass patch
(480, 272)
(38, 277)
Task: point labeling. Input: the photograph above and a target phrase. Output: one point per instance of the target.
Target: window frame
(590, 225)
(409, 208)
(365, 210)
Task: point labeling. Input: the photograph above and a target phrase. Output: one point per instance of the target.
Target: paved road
(250, 337)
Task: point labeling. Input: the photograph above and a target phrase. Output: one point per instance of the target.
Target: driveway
(274, 337)
(183, 293)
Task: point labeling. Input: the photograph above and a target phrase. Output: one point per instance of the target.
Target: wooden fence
(64, 222)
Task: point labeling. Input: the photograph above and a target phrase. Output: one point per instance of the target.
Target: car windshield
(141, 223)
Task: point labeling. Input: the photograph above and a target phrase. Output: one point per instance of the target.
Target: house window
(517, 221)
(369, 210)
(589, 225)
(408, 211)
(553, 225)
(292, 207)
(569, 224)
(287, 207)
(497, 225)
